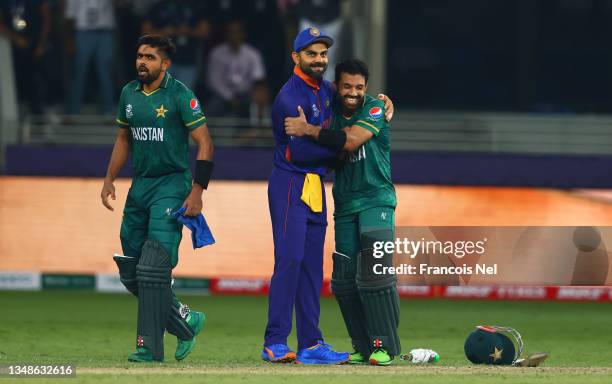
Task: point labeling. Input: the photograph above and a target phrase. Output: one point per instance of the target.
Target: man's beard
(307, 69)
(147, 77)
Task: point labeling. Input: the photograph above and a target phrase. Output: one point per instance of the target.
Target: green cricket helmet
(490, 344)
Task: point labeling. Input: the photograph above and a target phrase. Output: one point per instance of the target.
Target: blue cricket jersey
(302, 154)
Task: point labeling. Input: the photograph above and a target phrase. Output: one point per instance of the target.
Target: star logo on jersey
(161, 111)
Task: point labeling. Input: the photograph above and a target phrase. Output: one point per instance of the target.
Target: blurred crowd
(73, 56)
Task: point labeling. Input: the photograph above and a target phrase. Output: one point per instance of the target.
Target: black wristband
(334, 139)
(203, 171)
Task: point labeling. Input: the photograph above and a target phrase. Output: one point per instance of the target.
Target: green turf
(95, 331)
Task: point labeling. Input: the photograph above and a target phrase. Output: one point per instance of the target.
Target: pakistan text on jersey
(147, 133)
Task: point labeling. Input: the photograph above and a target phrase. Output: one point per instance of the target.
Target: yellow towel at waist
(312, 193)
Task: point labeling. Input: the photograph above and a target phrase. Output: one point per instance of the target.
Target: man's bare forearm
(119, 157)
(205, 150)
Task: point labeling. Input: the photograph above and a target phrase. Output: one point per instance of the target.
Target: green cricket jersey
(363, 180)
(159, 124)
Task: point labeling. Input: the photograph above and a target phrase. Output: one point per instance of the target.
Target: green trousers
(147, 213)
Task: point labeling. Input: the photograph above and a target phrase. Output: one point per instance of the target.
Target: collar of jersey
(163, 84)
(307, 79)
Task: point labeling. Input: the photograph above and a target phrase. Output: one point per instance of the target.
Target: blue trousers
(299, 235)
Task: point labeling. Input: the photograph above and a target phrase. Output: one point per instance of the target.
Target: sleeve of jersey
(121, 119)
(299, 149)
(191, 111)
(372, 117)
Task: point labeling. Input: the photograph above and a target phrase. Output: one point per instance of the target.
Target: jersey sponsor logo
(129, 111)
(375, 113)
(194, 104)
(147, 134)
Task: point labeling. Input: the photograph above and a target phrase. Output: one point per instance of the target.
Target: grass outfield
(97, 331)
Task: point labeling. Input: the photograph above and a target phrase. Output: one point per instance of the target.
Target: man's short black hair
(352, 67)
(164, 44)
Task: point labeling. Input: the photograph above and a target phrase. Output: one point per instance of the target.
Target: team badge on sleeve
(375, 113)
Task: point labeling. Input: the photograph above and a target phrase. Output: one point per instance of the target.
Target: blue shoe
(321, 354)
(277, 353)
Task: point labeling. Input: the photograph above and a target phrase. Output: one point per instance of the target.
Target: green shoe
(380, 357)
(196, 321)
(356, 358)
(142, 355)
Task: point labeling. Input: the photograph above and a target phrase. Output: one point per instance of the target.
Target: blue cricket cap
(310, 36)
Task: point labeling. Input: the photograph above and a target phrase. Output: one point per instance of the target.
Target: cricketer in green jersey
(156, 116)
(364, 199)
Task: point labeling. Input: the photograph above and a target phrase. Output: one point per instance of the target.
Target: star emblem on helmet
(497, 355)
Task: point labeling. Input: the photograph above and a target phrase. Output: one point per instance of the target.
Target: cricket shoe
(142, 355)
(321, 353)
(380, 357)
(277, 353)
(196, 321)
(357, 358)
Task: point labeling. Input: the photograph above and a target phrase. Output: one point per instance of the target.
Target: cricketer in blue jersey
(297, 208)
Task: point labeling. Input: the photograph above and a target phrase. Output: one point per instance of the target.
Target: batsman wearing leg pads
(369, 301)
(365, 202)
(157, 116)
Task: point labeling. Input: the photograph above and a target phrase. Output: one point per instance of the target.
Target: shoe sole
(376, 362)
(320, 362)
(287, 358)
(352, 362)
(136, 360)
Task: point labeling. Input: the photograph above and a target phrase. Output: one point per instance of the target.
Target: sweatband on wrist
(203, 171)
(334, 139)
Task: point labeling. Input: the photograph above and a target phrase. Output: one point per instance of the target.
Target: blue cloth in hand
(201, 235)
